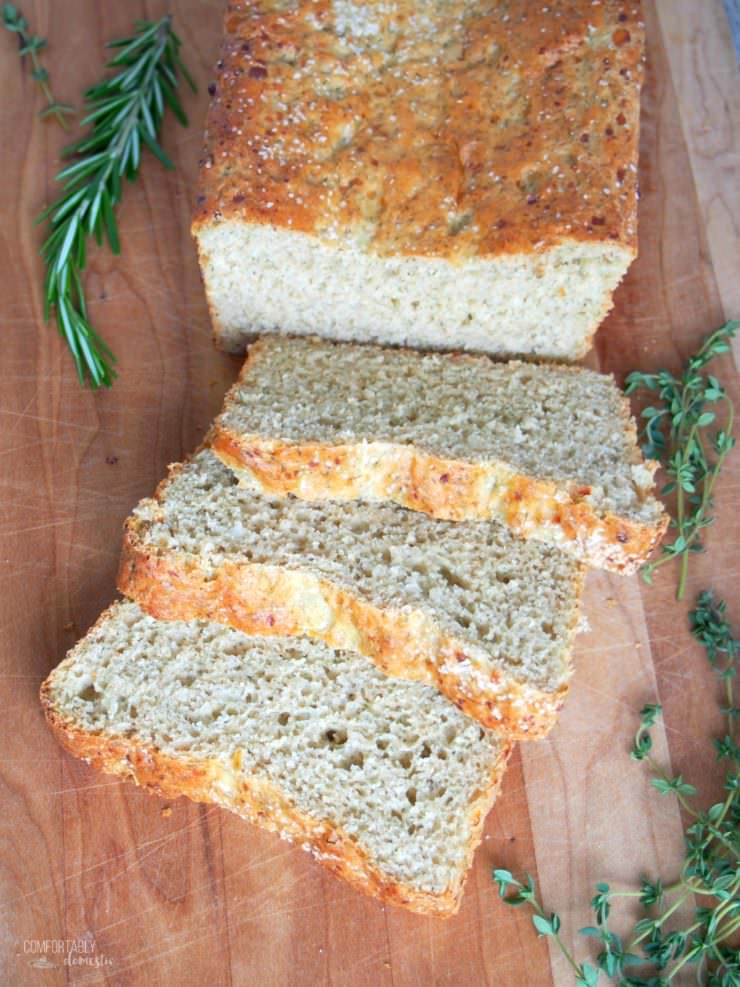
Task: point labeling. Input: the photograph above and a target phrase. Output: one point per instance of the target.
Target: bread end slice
(262, 805)
(118, 748)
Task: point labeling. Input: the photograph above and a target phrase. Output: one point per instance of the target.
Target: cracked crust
(275, 600)
(262, 803)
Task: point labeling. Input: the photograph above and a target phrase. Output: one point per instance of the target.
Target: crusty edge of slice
(262, 803)
(450, 489)
(442, 488)
(406, 643)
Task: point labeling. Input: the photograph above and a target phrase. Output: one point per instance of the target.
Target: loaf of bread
(445, 175)
(384, 781)
(549, 450)
(487, 618)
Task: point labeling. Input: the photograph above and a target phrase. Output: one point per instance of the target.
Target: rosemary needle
(125, 114)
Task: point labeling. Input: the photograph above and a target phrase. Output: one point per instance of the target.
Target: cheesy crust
(416, 128)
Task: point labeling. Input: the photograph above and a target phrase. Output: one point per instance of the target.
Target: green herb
(654, 954)
(31, 44)
(125, 112)
(677, 433)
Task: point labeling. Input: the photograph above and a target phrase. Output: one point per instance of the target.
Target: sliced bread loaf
(384, 781)
(549, 450)
(457, 175)
(488, 618)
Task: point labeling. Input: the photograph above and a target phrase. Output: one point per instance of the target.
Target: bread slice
(487, 618)
(457, 175)
(384, 781)
(549, 450)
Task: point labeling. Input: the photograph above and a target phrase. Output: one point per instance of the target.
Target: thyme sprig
(677, 433)
(125, 112)
(32, 44)
(654, 953)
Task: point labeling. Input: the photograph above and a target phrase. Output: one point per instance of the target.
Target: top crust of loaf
(453, 131)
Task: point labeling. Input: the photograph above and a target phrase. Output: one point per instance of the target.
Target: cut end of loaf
(444, 175)
(383, 780)
(259, 278)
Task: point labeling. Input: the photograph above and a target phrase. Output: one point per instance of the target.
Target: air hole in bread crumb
(411, 795)
(283, 719)
(405, 761)
(90, 694)
(336, 737)
(453, 578)
(426, 750)
(355, 760)
(382, 745)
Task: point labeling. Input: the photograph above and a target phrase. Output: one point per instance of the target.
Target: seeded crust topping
(451, 130)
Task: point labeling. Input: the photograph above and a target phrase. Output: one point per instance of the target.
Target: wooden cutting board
(176, 894)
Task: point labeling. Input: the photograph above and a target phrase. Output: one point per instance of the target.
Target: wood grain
(706, 77)
(187, 895)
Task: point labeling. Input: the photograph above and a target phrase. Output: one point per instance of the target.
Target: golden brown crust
(262, 803)
(453, 131)
(443, 488)
(275, 600)
(451, 489)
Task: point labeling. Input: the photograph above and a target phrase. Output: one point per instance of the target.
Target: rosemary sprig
(677, 433)
(31, 44)
(654, 954)
(125, 113)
